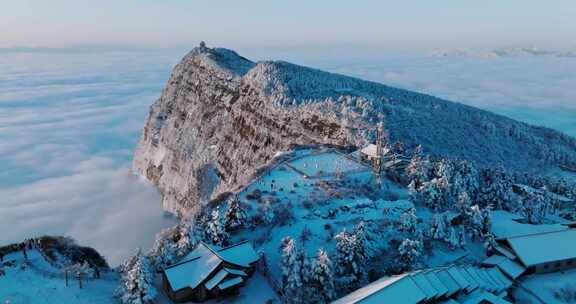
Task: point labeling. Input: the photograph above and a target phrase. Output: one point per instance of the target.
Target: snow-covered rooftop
(241, 254)
(438, 285)
(448, 281)
(458, 277)
(370, 150)
(426, 285)
(507, 225)
(480, 296)
(509, 267)
(236, 272)
(194, 269)
(473, 283)
(390, 289)
(546, 247)
(219, 277)
(230, 283)
(199, 264)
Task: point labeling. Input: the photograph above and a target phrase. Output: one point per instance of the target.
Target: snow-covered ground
(546, 288)
(326, 192)
(311, 200)
(38, 282)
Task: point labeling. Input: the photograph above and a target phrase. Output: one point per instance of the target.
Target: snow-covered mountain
(504, 52)
(221, 117)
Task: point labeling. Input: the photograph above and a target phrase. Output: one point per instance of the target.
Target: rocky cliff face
(221, 117)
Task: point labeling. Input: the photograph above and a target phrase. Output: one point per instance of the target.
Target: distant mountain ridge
(222, 116)
(505, 52)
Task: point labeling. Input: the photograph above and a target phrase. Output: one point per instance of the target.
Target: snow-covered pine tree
(137, 281)
(445, 181)
(535, 208)
(409, 252)
(489, 241)
(438, 227)
(444, 168)
(215, 231)
(479, 221)
(476, 221)
(235, 216)
(350, 259)
(345, 244)
(452, 238)
(171, 244)
(186, 239)
(129, 263)
(409, 221)
(496, 189)
(321, 279)
(486, 219)
(435, 194)
(163, 252)
(362, 242)
(292, 269)
(418, 172)
(81, 270)
(461, 238)
(464, 180)
(464, 203)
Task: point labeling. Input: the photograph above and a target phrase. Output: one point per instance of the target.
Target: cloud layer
(68, 126)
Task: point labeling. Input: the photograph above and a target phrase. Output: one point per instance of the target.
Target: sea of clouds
(69, 122)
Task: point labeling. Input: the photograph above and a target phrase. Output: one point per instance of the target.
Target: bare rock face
(221, 117)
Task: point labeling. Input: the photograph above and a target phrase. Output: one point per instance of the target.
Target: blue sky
(296, 23)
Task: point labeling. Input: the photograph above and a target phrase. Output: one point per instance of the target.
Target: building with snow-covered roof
(209, 271)
(452, 284)
(508, 266)
(543, 252)
(369, 152)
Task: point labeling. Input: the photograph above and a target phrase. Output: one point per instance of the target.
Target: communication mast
(377, 164)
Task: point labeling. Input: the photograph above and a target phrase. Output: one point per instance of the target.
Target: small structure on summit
(209, 271)
(369, 153)
(373, 152)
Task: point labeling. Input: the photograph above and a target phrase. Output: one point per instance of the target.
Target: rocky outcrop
(221, 117)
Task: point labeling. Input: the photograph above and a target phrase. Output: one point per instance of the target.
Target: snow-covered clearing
(326, 163)
(320, 193)
(38, 282)
(325, 192)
